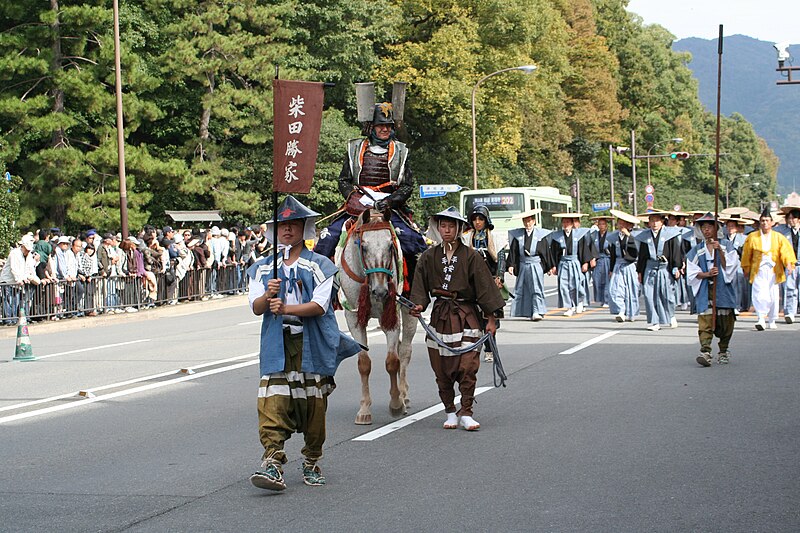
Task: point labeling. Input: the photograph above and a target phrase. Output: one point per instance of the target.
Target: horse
(371, 263)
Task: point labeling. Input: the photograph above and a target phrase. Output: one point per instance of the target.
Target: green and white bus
(508, 201)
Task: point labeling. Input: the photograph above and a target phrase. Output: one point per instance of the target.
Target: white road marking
(416, 417)
(588, 343)
(81, 350)
(249, 322)
(122, 384)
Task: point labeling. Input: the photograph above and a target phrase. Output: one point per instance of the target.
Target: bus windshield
(503, 204)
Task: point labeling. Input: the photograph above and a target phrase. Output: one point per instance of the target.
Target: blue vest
(324, 346)
(726, 293)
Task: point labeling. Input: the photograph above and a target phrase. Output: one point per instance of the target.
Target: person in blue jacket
(301, 346)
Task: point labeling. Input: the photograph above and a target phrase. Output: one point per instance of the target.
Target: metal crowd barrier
(116, 294)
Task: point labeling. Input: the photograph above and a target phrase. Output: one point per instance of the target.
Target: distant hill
(748, 87)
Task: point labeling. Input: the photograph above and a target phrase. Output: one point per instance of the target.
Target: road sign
(435, 191)
(649, 198)
(649, 189)
(676, 207)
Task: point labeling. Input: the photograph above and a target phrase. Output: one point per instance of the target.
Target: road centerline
(590, 342)
(410, 419)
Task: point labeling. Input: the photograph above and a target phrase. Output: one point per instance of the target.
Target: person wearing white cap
(529, 257)
(570, 253)
(766, 257)
(659, 263)
(20, 268)
(623, 285)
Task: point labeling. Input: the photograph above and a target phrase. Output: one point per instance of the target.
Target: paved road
(626, 434)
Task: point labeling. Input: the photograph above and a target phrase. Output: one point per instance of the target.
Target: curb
(186, 308)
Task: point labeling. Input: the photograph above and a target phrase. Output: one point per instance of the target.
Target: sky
(767, 20)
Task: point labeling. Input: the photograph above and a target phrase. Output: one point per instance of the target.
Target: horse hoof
(364, 420)
(407, 401)
(397, 411)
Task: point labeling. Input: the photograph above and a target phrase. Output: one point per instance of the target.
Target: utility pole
(633, 171)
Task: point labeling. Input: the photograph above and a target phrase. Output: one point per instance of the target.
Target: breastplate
(375, 170)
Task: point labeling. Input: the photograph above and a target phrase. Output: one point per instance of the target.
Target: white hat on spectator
(178, 238)
(224, 232)
(134, 240)
(215, 231)
(63, 240)
(119, 236)
(27, 242)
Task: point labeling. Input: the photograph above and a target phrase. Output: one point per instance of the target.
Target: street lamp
(611, 151)
(676, 140)
(727, 203)
(527, 69)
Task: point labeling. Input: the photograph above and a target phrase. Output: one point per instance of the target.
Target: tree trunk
(57, 212)
(205, 118)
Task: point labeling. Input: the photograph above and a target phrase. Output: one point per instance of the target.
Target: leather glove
(382, 205)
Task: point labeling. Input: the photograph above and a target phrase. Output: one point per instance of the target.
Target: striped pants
(293, 402)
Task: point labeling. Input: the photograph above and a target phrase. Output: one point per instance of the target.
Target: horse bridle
(359, 230)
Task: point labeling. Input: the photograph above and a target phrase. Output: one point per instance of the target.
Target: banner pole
(274, 204)
(716, 182)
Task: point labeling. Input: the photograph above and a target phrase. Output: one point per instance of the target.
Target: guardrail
(118, 294)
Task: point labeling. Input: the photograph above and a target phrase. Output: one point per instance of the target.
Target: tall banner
(297, 120)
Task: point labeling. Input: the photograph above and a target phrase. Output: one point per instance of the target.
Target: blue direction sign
(603, 206)
(649, 198)
(435, 191)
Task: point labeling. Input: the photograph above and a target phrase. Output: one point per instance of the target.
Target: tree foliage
(198, 101)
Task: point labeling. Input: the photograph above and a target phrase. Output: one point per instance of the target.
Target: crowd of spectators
(55, 276)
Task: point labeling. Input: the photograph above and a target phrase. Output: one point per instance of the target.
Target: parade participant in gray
(570, 253)
(602, 267)
(623, 285)
(529, 258)
(658, 264)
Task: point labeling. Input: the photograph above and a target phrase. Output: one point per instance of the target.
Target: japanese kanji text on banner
(297, 119)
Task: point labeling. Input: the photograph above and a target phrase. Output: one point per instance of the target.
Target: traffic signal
(680, 156)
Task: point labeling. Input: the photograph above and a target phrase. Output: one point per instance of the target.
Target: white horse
(370, 264)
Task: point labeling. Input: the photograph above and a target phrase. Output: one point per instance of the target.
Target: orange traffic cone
(24, 351)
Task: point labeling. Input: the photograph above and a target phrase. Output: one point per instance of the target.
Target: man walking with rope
(467, 302)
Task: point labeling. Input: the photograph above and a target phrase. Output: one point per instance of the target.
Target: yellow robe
(780, 250)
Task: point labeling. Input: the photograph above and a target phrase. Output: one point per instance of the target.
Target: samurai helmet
(483, 211)
(383, 114)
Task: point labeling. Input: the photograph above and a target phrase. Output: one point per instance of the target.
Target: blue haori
(529, 289)
(324, 346)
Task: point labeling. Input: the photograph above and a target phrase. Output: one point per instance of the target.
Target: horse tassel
(364, 304)
(388, 319)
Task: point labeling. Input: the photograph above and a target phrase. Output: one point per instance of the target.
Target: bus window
(548, 210)
(505, 203)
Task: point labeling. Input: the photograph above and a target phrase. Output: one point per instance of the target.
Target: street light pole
(527, 69)
(676, 140)
(611, 150)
